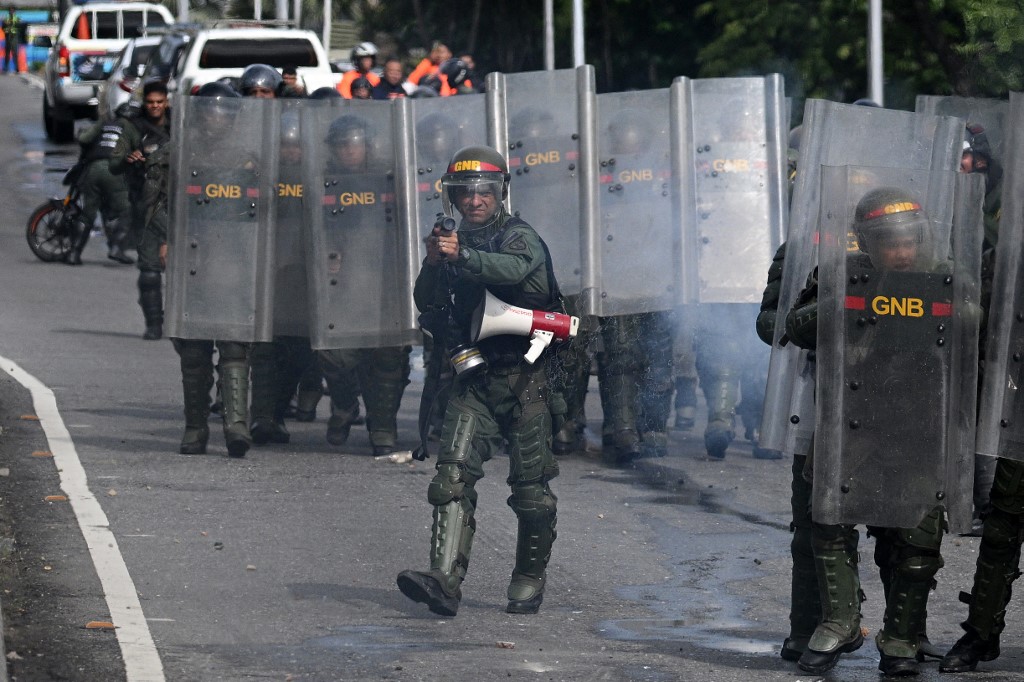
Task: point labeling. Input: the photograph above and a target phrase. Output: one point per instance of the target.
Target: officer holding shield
(380, 374)
(507, 400)
(893, 236)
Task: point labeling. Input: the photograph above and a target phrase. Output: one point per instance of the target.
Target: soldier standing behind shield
(196, 355)
(381, 374)
(495, 252)
(891, 230)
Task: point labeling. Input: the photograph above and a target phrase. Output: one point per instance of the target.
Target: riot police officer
(103, 193)
(380, 374)
(260, 80)
(196, 355)
(142, 153)
(891, 229)
(490, 251)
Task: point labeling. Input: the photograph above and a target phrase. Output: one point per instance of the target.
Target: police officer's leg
(468, 437)
(233, 368)
(618, 376)
(719, 378)
(150, 295)
(835, 557)
(196, 358)
(383, 374)
(339, 368)
(909, 560)
(91, 199)
(264, 361)
(311, 390)
(984, 477)
(568, 370)
(656, 385)
(997, 568)
(527, 425)
(685, 372)
(116, 211)
(805, 604)
(296, 357)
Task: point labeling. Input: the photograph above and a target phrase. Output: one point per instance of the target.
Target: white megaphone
(493, 317)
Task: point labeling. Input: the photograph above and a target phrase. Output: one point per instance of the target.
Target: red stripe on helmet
(895, 207)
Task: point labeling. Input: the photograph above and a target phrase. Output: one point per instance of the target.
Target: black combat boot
(534, 506)
(234, 378)
(450, 544)
(969, 650)
(839, 631)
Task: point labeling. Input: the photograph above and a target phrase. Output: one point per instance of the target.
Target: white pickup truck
(88, 41)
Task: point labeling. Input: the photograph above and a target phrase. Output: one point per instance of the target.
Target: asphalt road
(281, 566)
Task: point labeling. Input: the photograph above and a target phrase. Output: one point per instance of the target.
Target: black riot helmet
(259, 76)
(888, 215)
(976, 142)
(348, 138)
(473, 169)
(291, 138)
(455, 70)
(217, 106)
(629, 132)
(436, 138)
(325, 92)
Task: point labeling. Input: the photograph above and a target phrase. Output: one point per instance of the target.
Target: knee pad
(1008, 487)
(533, 502)
(448, 484)
(232, 352)
(919, 568)
(149, 280)
(834, 537)
(194, 354)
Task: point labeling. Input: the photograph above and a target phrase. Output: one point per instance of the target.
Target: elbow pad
(765, 325)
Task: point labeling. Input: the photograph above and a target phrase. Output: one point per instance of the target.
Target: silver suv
(89, 39)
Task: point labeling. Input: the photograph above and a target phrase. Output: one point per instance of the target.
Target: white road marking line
(141, 660)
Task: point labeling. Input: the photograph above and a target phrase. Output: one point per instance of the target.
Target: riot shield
(220, 244)
(839, 134)
(432, 130)
(291, 307)
(896, 347)
(989, 113)
(358, 249)
(636, 262)
(731, 152)
(543, 122)
(1001, 409)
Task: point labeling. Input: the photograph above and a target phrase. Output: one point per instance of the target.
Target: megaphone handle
(538, 342)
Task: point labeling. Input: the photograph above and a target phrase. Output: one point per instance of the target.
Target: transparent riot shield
(991, 114)
(636, 259)
(896, 347)
(543, 122)
(731, 152)
(358, 249)
(220, 244)
(838, 134)
(433, 129)
(1001, 409)
(291, 296)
